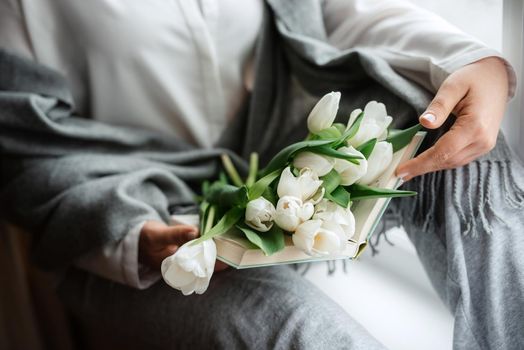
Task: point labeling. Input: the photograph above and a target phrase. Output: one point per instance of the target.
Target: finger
(177, 234)
(155, 260)
(443, 155)
(448, 96)
(220, 266)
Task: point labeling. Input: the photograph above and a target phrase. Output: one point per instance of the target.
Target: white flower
(315, 240)
(304, 186)
(191, 267)
(350, 172)
(332, 213)
(260, 214)
(324, 112)
(378, 161)
(373, 125)
(321, 165)
(291, 212)
(353, 116)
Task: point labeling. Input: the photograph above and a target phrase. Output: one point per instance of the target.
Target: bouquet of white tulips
(305, 191)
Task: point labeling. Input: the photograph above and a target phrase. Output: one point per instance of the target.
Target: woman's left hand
(477, 95)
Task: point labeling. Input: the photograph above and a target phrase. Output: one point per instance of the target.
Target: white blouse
(184, 67)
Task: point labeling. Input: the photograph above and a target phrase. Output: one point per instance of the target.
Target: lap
(257, 308)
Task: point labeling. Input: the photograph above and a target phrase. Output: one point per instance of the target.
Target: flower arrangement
(305, 191)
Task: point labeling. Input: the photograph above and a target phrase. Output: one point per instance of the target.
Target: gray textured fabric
(76, 184)
(468, 227)
(266, 308)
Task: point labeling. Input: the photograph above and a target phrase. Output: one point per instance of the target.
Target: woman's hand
(477, 95)
(158, 241)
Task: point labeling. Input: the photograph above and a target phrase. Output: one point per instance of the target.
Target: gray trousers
(467, 225)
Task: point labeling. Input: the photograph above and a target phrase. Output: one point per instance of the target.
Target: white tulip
(315, 240)
(304, 186)
(332, 213)
(352, 116)
(373, 125)
(378, 161)
(291, 212)
(191, 267)
(350, 172)
(260, 214)
(321, 165)
(323, 114)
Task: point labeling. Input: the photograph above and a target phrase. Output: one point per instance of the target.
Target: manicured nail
(429, 117)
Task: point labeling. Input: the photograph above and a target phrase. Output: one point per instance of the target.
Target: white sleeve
(118, 262)
(417, 43)
(13, 34)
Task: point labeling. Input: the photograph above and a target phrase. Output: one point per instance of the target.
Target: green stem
(209, 220)
(253, 169)
(231, 170)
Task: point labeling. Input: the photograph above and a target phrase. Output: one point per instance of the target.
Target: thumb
(443, 104)
(177, 234)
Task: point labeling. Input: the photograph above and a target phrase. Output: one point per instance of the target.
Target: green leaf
(327, 150)
(401, 138)
(359, 192)
(329, 133)
(204, 209)
(261, 185)
(270, 195)
(230, 169)
(330, 181)
(352, 131)
(226, 196)
(367, 147)
(340, 196)
(223, 225)
(253, 169)
(222, 177)
(281, 159)
(341, 127)
(269, 242)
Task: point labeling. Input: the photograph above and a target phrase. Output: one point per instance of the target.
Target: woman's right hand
(158, 241)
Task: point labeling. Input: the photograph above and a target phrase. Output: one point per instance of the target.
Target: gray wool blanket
(76, 184)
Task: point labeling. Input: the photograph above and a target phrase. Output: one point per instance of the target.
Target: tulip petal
(378, 161)
(320, 165)
(324, 112)
(326, 242)
(288, 185)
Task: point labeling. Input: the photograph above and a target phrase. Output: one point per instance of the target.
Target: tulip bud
(314, 240)
(330, 212)
(378, 161)
(323, 114)
(321, 165)
(373, 125)
(291, 212)
(191, 267)
(303, 187)
(260, 214)
(350, 172)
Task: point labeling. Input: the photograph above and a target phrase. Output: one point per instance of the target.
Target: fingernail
(429, 117)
